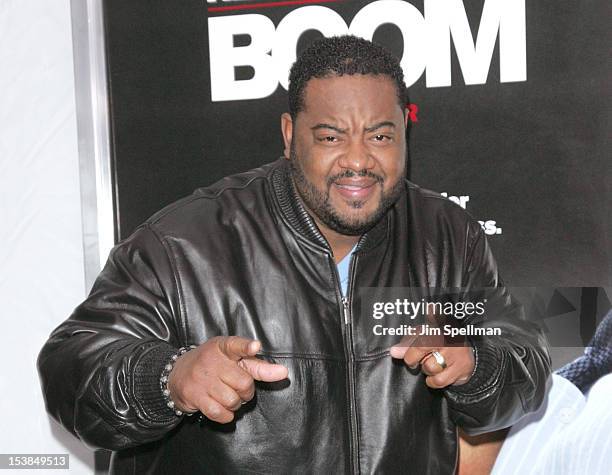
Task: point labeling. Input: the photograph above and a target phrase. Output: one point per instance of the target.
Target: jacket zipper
(345, 306)
(347, 335)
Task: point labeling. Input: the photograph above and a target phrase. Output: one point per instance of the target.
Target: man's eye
(382, 138)
(329, 139)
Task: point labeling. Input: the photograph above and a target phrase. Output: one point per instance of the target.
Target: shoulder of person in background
(571, 432)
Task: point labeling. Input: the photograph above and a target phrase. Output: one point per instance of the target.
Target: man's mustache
(351, 174)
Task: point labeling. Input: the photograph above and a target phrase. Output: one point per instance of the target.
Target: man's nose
(356, 157)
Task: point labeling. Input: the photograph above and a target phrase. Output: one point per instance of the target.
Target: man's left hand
(417, 350)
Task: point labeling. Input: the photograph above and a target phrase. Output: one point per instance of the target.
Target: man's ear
(406, 116)
(287, 131)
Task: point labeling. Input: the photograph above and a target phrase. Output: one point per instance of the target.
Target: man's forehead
(376, 94)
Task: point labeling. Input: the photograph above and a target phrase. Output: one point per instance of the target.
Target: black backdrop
(530, 154)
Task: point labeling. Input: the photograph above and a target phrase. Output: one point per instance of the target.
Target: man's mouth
(355, 188)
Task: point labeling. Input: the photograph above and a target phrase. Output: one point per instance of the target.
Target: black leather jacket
(242, 257)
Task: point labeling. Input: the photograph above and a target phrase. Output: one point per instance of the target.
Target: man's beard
(318, 202)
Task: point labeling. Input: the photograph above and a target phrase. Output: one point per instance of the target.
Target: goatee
(319, 203)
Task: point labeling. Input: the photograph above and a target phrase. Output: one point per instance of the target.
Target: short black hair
(338, 56)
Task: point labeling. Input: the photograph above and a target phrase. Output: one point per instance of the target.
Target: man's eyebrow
(385, 123)
(328, 126)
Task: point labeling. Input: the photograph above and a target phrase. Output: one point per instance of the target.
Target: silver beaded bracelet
(163, 380)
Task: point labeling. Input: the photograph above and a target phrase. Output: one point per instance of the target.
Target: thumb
(263, 371)
(236, 347)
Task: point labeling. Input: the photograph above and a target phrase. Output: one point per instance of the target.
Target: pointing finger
(263, 371)
(398, 351)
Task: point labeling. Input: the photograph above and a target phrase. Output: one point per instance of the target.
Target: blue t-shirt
(343, 271)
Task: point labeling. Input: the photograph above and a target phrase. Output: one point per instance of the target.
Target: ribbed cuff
(147, 390)
(488, 366)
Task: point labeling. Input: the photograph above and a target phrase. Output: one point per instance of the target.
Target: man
(264, 273)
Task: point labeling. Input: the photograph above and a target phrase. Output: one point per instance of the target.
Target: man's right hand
(219, 376)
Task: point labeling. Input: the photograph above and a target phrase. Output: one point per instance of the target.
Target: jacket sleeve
(512, 369)
(100, 369)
